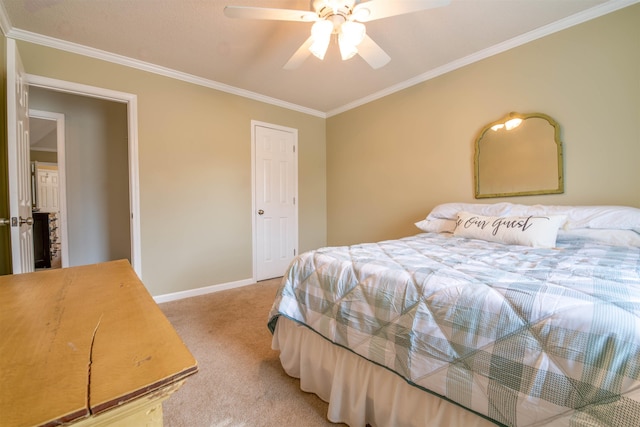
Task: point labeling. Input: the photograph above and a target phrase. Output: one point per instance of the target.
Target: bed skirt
(358, 391)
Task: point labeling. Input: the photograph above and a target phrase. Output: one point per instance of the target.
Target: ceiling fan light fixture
(352, 32)
(321, 29)
(344, 18)
(351, 35)
(347, 51)
(319, 49)
(321, 33)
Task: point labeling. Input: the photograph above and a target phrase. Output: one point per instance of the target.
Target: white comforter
(520, 335)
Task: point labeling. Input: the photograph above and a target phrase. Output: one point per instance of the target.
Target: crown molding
(44, 149)
(66, 46)
(570, 21)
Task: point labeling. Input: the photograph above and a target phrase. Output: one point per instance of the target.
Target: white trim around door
(132, 118)
(286, 224)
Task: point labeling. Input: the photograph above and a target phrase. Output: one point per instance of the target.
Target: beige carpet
(240, 381)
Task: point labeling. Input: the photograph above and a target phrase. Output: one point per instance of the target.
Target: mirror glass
(518, 155)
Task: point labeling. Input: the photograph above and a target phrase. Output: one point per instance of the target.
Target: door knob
(5, 221)
(260, 212)
(28, 221)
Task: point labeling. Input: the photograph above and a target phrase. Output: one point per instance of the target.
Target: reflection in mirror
(518, 155)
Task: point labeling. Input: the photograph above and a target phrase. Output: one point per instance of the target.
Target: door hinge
(294, 200)
(294, 148)
(294, 252)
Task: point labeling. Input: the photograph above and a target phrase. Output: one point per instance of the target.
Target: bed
(494, 314)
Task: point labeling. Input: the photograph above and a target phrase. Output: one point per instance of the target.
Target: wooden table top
(78, 341)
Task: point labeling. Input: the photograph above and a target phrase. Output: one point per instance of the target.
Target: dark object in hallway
(41, 243)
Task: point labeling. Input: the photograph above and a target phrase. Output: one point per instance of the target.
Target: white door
(276, 186)
(47, 190)
(19, 166)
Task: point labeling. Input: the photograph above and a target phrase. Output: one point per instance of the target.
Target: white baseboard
(202, 291)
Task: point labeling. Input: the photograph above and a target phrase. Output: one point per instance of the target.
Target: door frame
(254, 214)
(132, 124)
(62, 177)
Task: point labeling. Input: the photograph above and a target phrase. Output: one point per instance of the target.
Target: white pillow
(536, 231)
(596, 217)
(437, 225)
(604, 217)
(450, 210)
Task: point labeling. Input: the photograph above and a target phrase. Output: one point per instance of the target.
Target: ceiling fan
(343, 18)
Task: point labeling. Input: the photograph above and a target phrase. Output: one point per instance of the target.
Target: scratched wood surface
(79, 341)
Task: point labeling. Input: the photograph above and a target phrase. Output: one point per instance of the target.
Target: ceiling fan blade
(372, 53)
(247, 12)
(299, 57)
(378, 9)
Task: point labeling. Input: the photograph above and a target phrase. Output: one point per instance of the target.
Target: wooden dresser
(86, 346)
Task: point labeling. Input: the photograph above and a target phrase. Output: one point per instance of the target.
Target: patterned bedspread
(523, 336)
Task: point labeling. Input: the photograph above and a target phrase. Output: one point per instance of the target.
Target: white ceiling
(194, 40)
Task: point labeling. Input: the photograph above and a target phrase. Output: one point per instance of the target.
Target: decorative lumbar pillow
(536, 231)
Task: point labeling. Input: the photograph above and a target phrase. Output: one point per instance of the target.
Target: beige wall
(390, 161)
(195, 170)
(43, 156)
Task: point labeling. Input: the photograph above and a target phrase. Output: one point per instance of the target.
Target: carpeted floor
(240, 381)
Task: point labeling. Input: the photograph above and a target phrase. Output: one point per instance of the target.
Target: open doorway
(111, 174)
(47, 154)
(96, 169)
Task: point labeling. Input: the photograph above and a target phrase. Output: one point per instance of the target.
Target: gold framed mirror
(519, 155)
